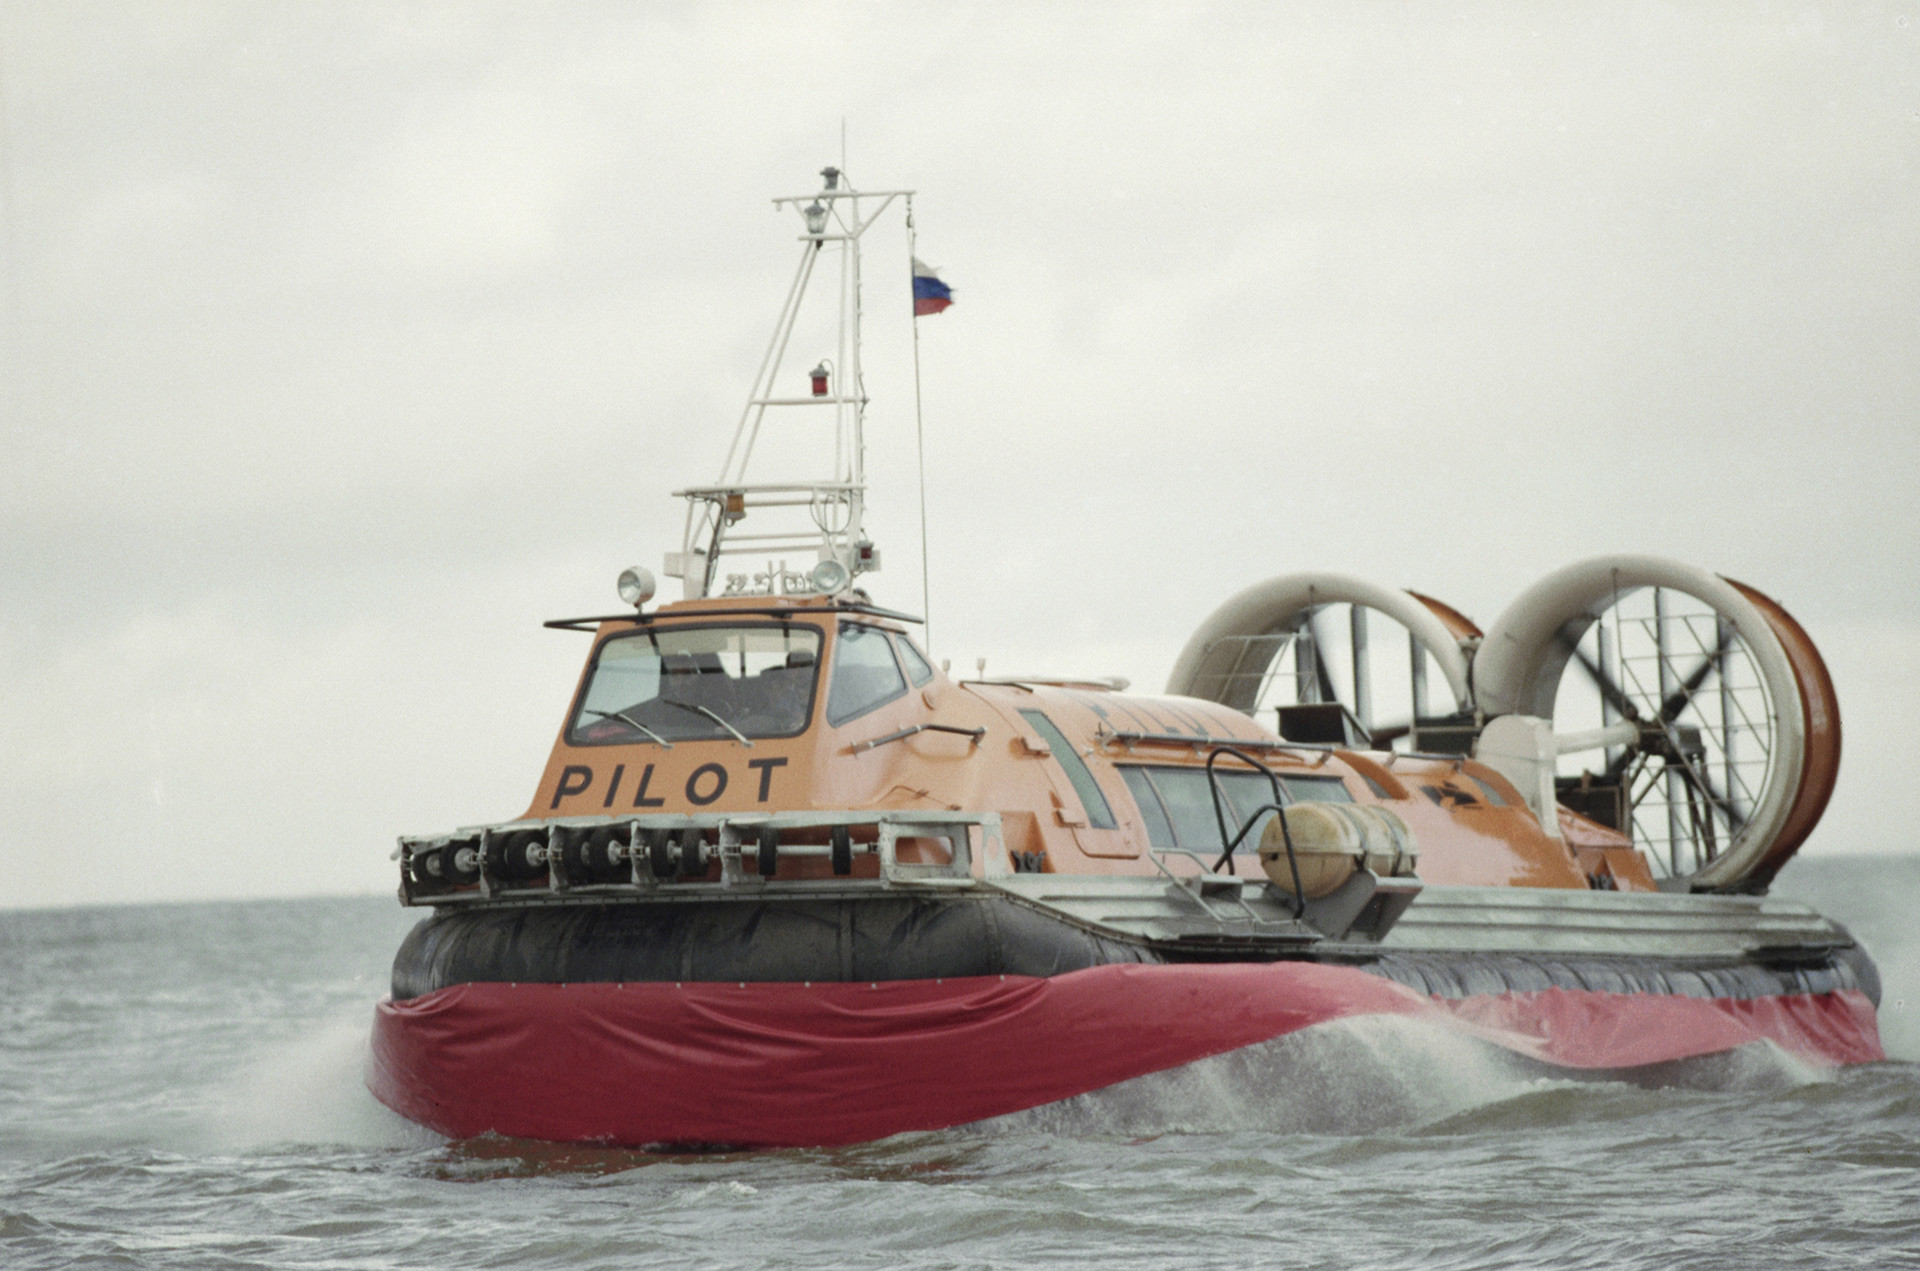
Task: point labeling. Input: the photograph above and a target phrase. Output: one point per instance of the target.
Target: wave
(1376, 1073)
(309, 1088)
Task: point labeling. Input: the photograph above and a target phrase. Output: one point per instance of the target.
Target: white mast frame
(836, 505)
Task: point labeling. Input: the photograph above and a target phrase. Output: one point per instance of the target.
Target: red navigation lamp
(820, 374)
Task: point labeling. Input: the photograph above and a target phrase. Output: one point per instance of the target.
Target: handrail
(1108, 736)
(1278, 807)
(911, 729)
(796, 611)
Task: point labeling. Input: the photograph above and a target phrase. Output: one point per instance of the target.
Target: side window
(1247, 792)
(864, 674)
(919, 670)
(1099, 814)
(1189, 803)
(1493, 795)
(1159, 833)
(1317, 789)
(1178, 804)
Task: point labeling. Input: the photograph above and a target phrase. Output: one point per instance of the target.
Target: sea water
(181, 1086)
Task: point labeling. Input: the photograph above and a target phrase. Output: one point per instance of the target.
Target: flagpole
(919, 437)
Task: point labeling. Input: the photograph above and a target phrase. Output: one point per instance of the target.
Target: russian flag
(930, 295)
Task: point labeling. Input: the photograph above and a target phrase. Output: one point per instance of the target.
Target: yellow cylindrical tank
(1331, 841)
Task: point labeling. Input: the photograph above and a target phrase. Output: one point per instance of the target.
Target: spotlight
(636, 585)
(831, 577)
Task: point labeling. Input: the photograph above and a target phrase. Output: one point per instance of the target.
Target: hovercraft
(786, 881)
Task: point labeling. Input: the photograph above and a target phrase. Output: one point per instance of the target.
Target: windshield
(865, 676)
(687, 683)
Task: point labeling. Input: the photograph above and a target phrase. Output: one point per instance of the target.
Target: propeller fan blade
(1735, 821)
(1678, 699)
(1602, 681)
(1700, 820)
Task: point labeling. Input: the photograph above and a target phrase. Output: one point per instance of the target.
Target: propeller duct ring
(1222, 662)
(1519, 665)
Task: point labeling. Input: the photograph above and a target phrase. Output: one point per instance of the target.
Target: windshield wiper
(625, 718)
(701, 710)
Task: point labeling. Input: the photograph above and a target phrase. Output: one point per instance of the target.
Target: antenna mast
(830, 540)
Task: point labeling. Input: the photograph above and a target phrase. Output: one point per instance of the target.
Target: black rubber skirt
(927, 938)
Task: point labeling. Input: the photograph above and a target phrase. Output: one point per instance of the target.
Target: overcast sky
(345, 343)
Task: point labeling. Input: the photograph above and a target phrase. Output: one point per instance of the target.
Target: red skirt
(792, 1065)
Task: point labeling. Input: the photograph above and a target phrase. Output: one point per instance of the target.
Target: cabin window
(919, 670)
(1493, 796)
(1315, 789)
(1159, 832)
(1178, 806)
(865, 675)
(697, 683)
(1247, 793)
(1189, 807)
(1099, 814)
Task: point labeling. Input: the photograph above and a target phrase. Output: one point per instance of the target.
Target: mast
(809, 535)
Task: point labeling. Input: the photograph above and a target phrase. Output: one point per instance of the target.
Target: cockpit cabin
(818, 704)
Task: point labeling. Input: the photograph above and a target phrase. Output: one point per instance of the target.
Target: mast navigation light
(832, 176)
(819, 375)
(735, 507)
(816, 214)
(636, 586)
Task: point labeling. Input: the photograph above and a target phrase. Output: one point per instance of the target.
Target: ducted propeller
(1283, 643)
(1718, 730)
